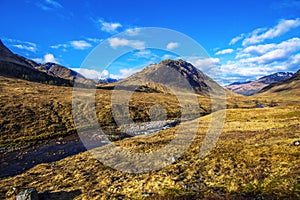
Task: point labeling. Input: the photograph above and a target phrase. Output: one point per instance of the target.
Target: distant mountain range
(152, 78)
(108, 80)
(251, 87)
(289, 86)
(13, 65)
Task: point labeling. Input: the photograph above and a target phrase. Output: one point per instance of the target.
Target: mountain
(172, 74)
(251, 87)
(7, 56)
(16, 66)
(289, 86)
(54, 69)
(108, 80)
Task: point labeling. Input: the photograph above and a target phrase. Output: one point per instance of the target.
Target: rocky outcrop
(28, 194)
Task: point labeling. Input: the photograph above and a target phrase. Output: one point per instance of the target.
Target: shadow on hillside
(63, 195)
(18, 161)
(282, 89)
(106, 87)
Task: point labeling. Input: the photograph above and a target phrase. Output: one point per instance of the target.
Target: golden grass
(31, 112)
(254, 156)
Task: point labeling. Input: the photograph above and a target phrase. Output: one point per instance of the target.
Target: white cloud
(296, 59)
(290, 45)
(115, 42)
(96, 75)
(50, 58)
(80, 44)
(236, 39)
(60, 46)
(168, 56)
(256, 58)
(224, 51)
(259, 49)
(264, 59)
(47, 58)
(209, 66)
(172, 45)
(31, 48)
(143, 54)
(118, 42)
(53, 3)
(90, 73)
(48, 5)
(260, 35)
(124, 73)
(76, 44)
(203, 62)
(114, 76)
(272, 56)
(237, 69)
(267, 53)
(294, 62)
(109, 27)
(25, 45)
(104, 73)
(38, 60)
(95, 40)
(132, 31)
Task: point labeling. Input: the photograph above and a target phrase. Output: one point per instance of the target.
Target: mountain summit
(176, 74)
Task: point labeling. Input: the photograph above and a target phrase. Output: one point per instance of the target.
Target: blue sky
(244, 39)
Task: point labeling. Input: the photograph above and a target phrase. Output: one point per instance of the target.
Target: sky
(241, 40)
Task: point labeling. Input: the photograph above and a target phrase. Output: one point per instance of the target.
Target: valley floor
(256, 156)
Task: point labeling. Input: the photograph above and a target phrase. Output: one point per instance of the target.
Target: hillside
(31, 111)
(251, 87)
(16, 66)
(287, 87)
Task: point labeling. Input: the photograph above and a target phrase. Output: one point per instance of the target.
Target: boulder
(28, 194)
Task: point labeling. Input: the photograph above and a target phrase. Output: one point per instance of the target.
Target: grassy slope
(254, 156)
(31, 112)
(285, 90)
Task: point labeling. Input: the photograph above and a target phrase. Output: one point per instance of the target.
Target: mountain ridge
(249, 88)
(289, 86)
(16, 66)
